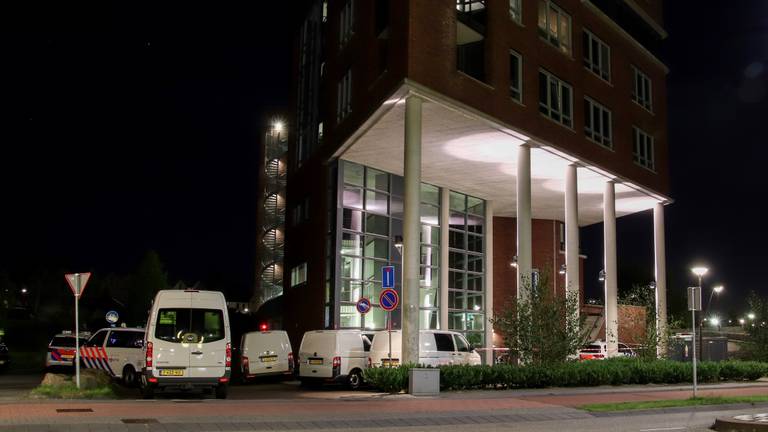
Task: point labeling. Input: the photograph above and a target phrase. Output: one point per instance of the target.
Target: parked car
(5, 358)
(188, 343)
(598, 350)
(338, 356)
(61, 349)
(265, 353)
(436, 348)
(117, 351)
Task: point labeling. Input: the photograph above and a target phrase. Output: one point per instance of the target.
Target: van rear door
(208, 343)
(170, 345)
(316, 353)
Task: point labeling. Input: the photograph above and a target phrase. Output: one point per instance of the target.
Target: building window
(555, 99)
(597, 123)
(516, 10)
(299, 274)
(641, 91)
(466, 264)
(597, 56)
(555, 26)
(516, 76)
(372, 216)
(344, 97)
(346, 23)
(642, 149)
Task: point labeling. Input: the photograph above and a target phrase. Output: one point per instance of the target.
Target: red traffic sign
(389, 299)
(77, 282)
(363, 306)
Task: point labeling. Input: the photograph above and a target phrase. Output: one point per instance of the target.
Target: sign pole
(389, 332)
(77, 331)
(693, 343)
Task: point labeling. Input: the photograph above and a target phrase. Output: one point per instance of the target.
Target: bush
(571, 374)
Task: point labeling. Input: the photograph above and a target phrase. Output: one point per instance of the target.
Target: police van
(117, 351)
(61, 349)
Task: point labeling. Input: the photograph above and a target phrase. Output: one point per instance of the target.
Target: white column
(488, 282)
(524, 247)
(572, 286)
(611, 280)
(445, 215)
(411, 230)
(660, 275)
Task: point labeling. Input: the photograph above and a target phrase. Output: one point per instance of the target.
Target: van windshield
(189, 325)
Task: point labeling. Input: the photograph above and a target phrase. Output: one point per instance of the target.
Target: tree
(542, 327)
(150, 277)
(645, 296)
(755, 345)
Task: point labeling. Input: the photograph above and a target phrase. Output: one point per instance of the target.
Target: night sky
(137, 127)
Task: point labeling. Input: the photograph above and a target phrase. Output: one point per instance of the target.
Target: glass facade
(466, 264)
(371, 218)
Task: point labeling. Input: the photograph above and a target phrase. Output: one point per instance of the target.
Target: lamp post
(399, 246)
(698, 271)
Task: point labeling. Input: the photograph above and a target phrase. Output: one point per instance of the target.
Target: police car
(116, 351)
(61, 349)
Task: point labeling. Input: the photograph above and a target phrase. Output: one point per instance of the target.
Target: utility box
(424, 381)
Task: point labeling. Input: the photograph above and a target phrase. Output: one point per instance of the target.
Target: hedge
(572, 374)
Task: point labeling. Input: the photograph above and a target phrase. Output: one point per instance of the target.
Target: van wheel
(355, 379)
(129, 376)
(221, 392)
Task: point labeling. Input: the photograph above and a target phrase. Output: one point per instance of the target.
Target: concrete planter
(424, 381)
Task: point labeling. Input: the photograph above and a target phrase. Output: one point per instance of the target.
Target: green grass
(70, 391)
(716, 400)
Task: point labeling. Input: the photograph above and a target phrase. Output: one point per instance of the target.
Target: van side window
(367, 342)
(125, 339)
(444, 342)
(461, 344)
(98, 339)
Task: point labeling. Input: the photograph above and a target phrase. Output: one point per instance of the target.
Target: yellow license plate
(171, 372)
(268, 359)
(315, 361)
(389, 363)
(67, 357)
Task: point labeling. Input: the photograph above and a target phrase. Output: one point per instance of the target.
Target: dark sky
(136, 127)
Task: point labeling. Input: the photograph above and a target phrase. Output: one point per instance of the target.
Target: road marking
(662, 429)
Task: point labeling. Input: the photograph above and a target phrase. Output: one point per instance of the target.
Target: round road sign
(389, 299)
(112, 317)
(363, 306)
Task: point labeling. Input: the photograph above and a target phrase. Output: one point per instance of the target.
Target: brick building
(484, 133)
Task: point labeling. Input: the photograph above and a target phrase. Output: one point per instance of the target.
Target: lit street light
(751, 315)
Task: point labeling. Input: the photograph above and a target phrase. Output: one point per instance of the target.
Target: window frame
(346, 23)
(590, 62)
(550, 78)
(299, 275)
(642, 83)
(647, 157)
(598, 137)
(519, 89)
(555, 40)
(516, 11)
(344, 97)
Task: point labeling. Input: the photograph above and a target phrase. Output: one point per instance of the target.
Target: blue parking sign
(388, 277)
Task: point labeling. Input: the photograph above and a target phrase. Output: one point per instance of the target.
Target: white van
(116, 351)
(338, 356)
(187, 343)
(265, 353)
(437, 348)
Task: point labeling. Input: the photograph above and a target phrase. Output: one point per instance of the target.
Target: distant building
(482, 133)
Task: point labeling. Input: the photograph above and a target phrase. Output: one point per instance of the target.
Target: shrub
(571, 374)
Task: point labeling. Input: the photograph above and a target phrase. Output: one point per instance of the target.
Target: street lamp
(601, 276)
(741, 321)
(513, 263)
(751, 315)
(562, 269)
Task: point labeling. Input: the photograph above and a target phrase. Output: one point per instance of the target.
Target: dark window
(444, 342)
(461, 344)
(190, 325)
(125, 339)
(97, 340)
